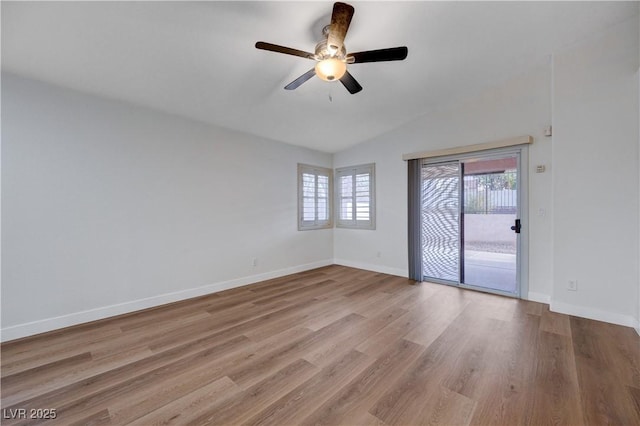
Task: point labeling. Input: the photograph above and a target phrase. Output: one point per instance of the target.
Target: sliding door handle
(516, 227)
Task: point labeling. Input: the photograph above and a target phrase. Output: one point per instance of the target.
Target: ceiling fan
(331, 55)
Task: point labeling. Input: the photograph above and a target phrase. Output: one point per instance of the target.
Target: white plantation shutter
(356, 197)
(314, 197)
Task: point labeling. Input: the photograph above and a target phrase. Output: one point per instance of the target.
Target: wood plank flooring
(335, 345)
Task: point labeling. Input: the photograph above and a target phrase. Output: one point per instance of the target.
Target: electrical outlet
(572, 285)
(254, 261)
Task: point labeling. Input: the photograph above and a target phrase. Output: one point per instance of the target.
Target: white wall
(595, 154)
(520, 107)
(109, 207)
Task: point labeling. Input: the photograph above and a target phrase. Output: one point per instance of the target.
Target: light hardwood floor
(334, 345)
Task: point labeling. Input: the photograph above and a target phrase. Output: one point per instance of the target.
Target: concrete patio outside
(495, 271)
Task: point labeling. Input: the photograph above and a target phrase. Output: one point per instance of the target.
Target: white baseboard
(49, 324)
(539, 297)
(372, 267)
(594, 314)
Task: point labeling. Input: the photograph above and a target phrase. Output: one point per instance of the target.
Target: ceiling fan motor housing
(322, 52)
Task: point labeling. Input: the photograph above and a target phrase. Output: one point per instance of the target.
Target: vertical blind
(413, 196)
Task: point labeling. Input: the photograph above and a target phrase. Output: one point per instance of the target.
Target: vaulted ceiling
(197, 59)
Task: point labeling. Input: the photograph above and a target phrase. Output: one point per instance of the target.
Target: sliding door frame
(522, 257)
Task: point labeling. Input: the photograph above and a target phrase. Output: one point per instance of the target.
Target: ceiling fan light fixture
(331, 69)
(331, 54)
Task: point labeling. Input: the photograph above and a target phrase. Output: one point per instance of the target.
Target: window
(356, 197)
(314, 197)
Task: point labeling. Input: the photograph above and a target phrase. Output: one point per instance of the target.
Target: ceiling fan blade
(286, 50)
(340, 20)
(350, 83)
(380, 55)
(298, 81)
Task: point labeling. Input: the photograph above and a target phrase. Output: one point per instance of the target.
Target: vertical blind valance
(504, 143)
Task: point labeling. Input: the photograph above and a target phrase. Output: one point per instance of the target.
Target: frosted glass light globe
(331, 69)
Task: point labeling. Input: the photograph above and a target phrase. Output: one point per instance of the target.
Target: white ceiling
(197, 59)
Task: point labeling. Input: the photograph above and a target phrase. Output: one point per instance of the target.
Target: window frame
(316, 223)
(354, 223)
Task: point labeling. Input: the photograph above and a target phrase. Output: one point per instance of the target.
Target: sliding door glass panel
(490, 209)
(440, 201)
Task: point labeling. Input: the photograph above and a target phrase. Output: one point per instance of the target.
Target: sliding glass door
(470, 222)
(440, 221)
